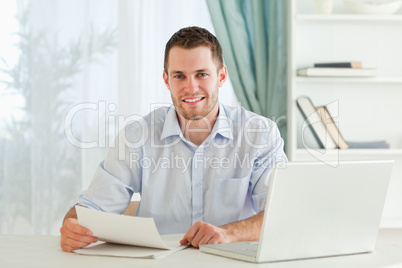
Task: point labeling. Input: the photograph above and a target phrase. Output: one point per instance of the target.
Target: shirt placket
(197, 185)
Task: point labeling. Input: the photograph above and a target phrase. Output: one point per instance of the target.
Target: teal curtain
(253, 35)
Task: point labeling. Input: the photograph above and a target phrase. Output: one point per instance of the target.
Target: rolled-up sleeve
(115, 180)
(263, 166)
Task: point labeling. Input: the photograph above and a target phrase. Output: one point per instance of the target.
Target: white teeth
(193, 100)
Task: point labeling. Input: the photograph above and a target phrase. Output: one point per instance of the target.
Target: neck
(197, 131)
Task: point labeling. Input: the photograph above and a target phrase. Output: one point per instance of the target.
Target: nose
(192, 84)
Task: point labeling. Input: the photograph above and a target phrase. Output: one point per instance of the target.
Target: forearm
(245, 230)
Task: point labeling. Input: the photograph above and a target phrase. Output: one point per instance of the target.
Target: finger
(69, 244)
(205, 240)
(205, 233)
(66, 247)
(196, 240)
(191, 232)
(214, 240)
(81, 238)
(184, 241)
(199, 236)
(74, 226)
(67, 231)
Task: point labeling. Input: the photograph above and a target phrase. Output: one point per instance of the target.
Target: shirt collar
(171, 126)
(222, 125)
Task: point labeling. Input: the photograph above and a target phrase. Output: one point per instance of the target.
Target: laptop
(316, 210)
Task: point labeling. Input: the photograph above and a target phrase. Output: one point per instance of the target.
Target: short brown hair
(193, 37)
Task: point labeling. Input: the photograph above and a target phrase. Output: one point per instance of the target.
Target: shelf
(390, 223)
(362, 80)
(348, 17)
(333, 157)
(357, 152)
(367, 107)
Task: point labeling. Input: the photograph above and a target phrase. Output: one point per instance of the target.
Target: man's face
(193, 80)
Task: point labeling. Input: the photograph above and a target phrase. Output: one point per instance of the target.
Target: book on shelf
(325, 130)
(332, 128)
(350, 64)
(337, 72)
(313, 121)
(334, 132)
(368, 144)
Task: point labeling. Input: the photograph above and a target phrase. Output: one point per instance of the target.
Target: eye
(202, 74)
(179, 76)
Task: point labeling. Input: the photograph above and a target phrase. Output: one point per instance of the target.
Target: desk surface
(44, 251)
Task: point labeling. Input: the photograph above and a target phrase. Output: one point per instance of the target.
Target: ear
(166, 79)
(223, 74)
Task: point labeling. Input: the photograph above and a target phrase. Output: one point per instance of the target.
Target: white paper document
(127, 236)
(119, 250)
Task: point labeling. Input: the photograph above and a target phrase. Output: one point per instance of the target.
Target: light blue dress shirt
(223, 180)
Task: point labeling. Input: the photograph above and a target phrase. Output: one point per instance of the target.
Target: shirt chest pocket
(230, 197)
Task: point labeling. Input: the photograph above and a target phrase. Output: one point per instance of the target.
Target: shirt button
(197, 215)
(198, 184)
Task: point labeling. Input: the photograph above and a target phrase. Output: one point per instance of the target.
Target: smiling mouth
(194, 100)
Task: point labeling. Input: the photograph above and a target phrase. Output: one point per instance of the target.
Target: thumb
(184, 241)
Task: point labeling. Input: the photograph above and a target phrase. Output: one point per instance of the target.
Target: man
(197, 165)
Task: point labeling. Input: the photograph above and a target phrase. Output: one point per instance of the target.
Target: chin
(196, 117)
(191, 115)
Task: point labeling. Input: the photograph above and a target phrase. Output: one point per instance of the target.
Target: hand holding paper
(74, 236)
(126, 230)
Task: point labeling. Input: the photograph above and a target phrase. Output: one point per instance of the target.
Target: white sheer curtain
(77, 67)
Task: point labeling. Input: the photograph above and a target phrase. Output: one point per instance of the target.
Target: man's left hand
(204, 233)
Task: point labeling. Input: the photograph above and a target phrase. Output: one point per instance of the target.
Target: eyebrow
(176, 72)
(197, 71)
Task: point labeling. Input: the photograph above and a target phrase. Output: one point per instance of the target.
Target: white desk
(44, 251)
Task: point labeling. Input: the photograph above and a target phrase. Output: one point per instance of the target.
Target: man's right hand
(74, 236)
